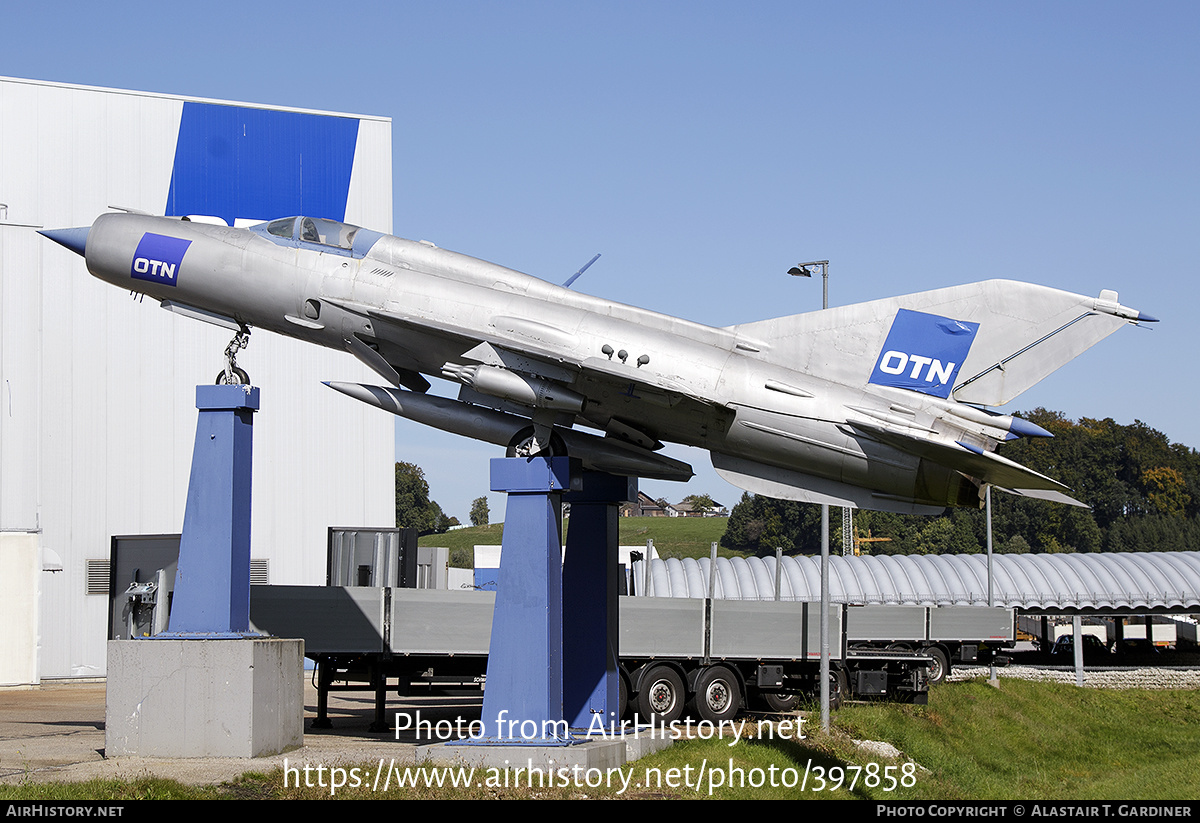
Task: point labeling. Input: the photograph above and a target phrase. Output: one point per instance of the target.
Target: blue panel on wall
(233, 161)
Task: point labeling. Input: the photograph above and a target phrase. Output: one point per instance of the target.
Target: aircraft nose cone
(73, 239)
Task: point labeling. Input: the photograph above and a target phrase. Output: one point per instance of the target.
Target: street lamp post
(803, 270)
(987, 493)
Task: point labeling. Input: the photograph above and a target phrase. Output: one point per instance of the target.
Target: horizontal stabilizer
(788, 484)
(1046, 494)
(984, 466)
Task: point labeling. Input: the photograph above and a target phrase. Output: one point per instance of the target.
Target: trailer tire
(660, 698)
(623, 696)
(718, 695)
(940, 666)
(784, 702)
(839, 689)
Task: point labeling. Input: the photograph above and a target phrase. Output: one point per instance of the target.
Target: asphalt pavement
(55, 732)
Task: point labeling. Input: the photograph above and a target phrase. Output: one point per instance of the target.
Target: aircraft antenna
(575, 276)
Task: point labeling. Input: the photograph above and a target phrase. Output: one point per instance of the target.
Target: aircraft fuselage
(771, 407)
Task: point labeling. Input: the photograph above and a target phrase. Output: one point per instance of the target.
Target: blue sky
(703, 148)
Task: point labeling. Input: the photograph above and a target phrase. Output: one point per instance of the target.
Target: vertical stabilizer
(981, 343)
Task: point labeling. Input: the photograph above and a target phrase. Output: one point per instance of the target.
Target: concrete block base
(204, 698)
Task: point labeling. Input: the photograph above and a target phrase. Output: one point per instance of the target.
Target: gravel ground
(1100, 677)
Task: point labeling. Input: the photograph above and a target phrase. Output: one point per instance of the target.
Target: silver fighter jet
(879, 405)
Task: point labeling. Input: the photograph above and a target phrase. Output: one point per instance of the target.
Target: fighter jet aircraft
(879, 405)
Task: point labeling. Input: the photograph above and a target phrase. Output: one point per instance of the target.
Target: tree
(948, 535)
(699, 502)
(1016, 545)
(480, 512)
(761, 524)
(414, 509)
(1143, 490)
(1166, 489)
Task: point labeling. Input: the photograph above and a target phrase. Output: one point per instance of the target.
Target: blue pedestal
(591, 681)
(523, 704)
(208, 687)
(212, 584)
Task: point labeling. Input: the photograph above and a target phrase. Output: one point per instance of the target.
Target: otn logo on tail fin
(923, 352)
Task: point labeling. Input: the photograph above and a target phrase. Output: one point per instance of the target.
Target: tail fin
(981, 343)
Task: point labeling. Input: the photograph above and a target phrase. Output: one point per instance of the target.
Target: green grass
(462, 542)
(142, 788)
(672, 536)
(675, 536)
(1022, 741)
(1046, 741)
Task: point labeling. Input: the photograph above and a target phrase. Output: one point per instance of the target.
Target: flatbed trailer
(948, 634)
(717, 657)
(714, 657)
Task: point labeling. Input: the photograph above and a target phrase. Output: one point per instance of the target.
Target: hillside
(672, 536)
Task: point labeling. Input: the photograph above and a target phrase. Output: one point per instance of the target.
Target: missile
(1015, 426)
(481, 423)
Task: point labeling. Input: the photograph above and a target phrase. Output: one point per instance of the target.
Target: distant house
(687, 510)
(645, 506)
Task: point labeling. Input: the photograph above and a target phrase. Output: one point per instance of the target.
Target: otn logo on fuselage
(923, 352)
(157, 259)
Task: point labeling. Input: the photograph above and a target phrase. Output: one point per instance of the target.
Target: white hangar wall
(97, 388)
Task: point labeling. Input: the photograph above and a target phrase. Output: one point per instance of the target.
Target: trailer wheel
(718, 696)
(940, 667)
(839, 689)
(623, 699)
(780, 701)
(660, 699)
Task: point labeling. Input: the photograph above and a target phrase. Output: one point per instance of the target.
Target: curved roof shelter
(1132, 583)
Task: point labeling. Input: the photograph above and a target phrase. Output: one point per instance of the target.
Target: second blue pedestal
(523, 702)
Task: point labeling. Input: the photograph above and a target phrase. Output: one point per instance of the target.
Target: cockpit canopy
(330, 235)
